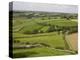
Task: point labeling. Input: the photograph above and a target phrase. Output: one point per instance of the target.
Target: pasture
(42, 36)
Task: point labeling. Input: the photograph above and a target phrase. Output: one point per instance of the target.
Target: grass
(37, 52)
(53, 40)
(22, 25)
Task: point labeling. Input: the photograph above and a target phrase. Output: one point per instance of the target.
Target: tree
(51, 28)
(35, 31)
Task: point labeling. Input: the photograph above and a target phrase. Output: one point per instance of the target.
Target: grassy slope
(52, 39)
(37, 52)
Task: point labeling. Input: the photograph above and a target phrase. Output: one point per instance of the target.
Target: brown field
(72, 40)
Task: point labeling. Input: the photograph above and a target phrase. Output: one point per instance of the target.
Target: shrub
(44, 44)
(41, 31)
(51, 29)
(35, 31)
(16, 41)
(59, 48)
(27, 32)
(76, 52)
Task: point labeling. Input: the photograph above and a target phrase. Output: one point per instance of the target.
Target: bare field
(72, 40)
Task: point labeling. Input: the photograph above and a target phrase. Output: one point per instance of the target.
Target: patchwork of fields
(42, 37)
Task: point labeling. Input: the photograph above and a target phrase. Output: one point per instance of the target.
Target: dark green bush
(27, 32)
(60, 48)
(35, 31)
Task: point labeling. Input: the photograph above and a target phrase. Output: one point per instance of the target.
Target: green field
(41, 37)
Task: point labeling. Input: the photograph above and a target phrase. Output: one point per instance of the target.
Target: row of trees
(53, 28)
(30, 15)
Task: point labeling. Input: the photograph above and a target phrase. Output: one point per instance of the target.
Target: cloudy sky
(27, 6)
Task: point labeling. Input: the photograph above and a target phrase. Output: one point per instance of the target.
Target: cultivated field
(73, 41)
(42, 34)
